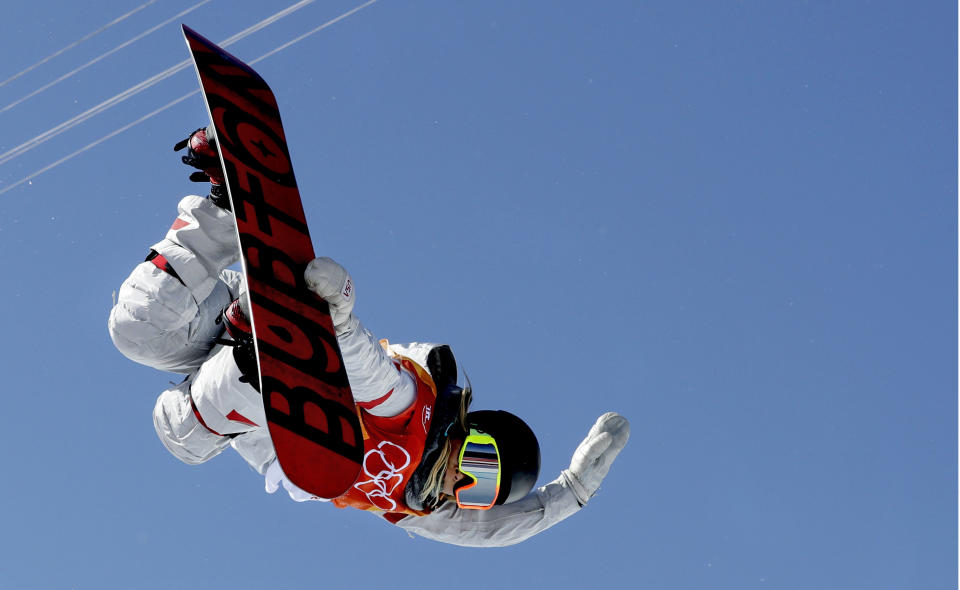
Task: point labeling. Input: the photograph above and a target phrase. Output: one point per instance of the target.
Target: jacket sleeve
(378, 383)
(500, 526)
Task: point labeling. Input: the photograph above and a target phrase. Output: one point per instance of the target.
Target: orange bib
(392, 450)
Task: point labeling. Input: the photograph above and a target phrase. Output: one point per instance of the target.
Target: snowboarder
(432, 467)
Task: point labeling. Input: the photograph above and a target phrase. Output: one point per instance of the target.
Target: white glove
(332, 282)
(592, 459)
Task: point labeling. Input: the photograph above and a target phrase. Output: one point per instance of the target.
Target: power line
(79, 41)
(94, 144)
(311, 32)
(89, 113)
(137, 88)
(172, 103)
(103, 56)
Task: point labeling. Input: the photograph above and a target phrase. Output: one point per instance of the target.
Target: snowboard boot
(202, 154)
(236, 320)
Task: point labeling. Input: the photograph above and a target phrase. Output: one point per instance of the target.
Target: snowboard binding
(203, 155)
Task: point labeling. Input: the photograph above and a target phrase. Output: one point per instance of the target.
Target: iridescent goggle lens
(480, 462)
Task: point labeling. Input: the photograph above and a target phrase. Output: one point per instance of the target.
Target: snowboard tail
(310, 410)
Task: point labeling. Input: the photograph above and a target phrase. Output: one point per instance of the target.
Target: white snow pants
(168, 322)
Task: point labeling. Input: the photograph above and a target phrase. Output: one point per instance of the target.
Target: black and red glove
(202, 154)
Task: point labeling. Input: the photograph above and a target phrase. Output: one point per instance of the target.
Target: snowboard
(310, 410)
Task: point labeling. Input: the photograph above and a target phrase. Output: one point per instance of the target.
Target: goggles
(480, 463)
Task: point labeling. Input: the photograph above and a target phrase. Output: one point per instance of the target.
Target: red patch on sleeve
(376, 402)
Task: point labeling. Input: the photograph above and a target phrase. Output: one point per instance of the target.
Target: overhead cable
(172, 103)
(79, 41)
(138, 88)
(102, 56)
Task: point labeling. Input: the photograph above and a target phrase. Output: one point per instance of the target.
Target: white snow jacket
(167, 319)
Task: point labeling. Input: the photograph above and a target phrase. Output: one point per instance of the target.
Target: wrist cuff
(578, 489)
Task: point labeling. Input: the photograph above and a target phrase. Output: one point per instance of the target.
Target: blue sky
(734, 223)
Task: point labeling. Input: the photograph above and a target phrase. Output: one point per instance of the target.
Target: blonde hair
(433, 487)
